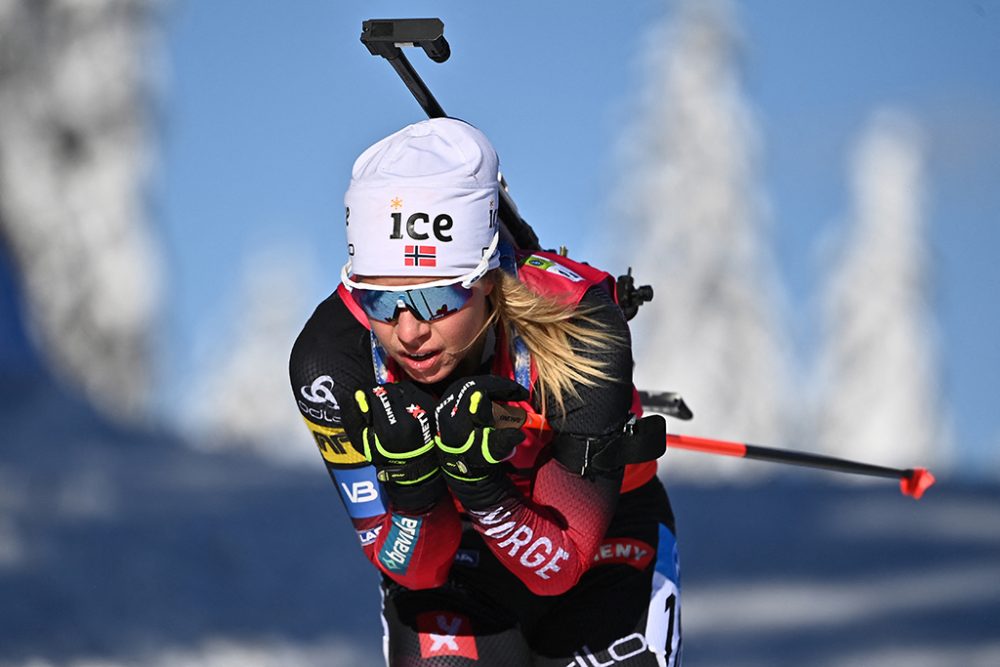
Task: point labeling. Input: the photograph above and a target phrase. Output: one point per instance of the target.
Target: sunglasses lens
(429, 303)
(377, 305)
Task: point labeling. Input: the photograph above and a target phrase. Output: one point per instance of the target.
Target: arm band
(637, 442)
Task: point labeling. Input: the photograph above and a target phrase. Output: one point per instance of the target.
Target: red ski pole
(913, 482)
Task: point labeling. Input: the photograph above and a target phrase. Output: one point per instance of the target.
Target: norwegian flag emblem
(420, 255)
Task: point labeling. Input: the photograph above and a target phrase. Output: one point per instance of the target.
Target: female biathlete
(475, 409)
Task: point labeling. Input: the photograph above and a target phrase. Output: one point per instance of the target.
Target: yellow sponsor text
(334, 445)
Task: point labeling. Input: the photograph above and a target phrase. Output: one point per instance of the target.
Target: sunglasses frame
(409, 298)
(464, 283)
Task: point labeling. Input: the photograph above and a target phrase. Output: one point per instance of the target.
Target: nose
(411, 331)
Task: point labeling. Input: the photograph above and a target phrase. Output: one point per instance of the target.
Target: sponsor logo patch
(624, 551)
(320, 392)
(620, 650)
(318, 402)
(420, 415)
(446, 633)
(360, 492)
(551, 267)
(368, 536)
(467, 557)
(322, 414)
(334, 445)
(419, 226)
(398, 546)
(383, 396)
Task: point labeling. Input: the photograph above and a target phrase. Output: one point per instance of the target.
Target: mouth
(421, 361)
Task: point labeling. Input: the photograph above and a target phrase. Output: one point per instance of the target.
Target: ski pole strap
(407, 472)
(639, 441)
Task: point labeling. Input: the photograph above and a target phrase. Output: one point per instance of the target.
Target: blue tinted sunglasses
(426, 303)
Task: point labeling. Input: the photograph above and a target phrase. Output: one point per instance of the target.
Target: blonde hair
(554, 333)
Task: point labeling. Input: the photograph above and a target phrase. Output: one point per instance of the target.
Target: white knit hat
(423, 202)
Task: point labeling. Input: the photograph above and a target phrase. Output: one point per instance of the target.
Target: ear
(488, 282)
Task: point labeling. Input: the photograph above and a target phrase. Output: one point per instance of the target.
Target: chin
(437, 376)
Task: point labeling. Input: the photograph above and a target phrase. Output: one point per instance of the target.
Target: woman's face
(430, 351)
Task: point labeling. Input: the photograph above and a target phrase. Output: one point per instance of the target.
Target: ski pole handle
(511, 416)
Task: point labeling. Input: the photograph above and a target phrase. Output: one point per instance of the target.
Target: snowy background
(810, 189)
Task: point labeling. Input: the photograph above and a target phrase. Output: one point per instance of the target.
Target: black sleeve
(330, 359)
(603, 408)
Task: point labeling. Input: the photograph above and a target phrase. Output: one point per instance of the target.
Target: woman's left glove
(397, 437)
(470, 447)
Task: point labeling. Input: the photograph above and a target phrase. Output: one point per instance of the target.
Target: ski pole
(384, 37)
(913, 482)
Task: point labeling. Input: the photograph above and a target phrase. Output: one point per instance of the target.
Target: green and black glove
(397, 437)
(470, 447)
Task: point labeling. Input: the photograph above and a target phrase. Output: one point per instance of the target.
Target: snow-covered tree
(74, 156)
(692, 207)
(879, 397)
(240, 397)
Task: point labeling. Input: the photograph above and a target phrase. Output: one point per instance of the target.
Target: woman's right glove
(397, 437)
(470, 447)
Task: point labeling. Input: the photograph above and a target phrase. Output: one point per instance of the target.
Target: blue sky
(266, 105)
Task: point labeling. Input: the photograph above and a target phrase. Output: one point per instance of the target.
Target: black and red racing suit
(535, 577)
